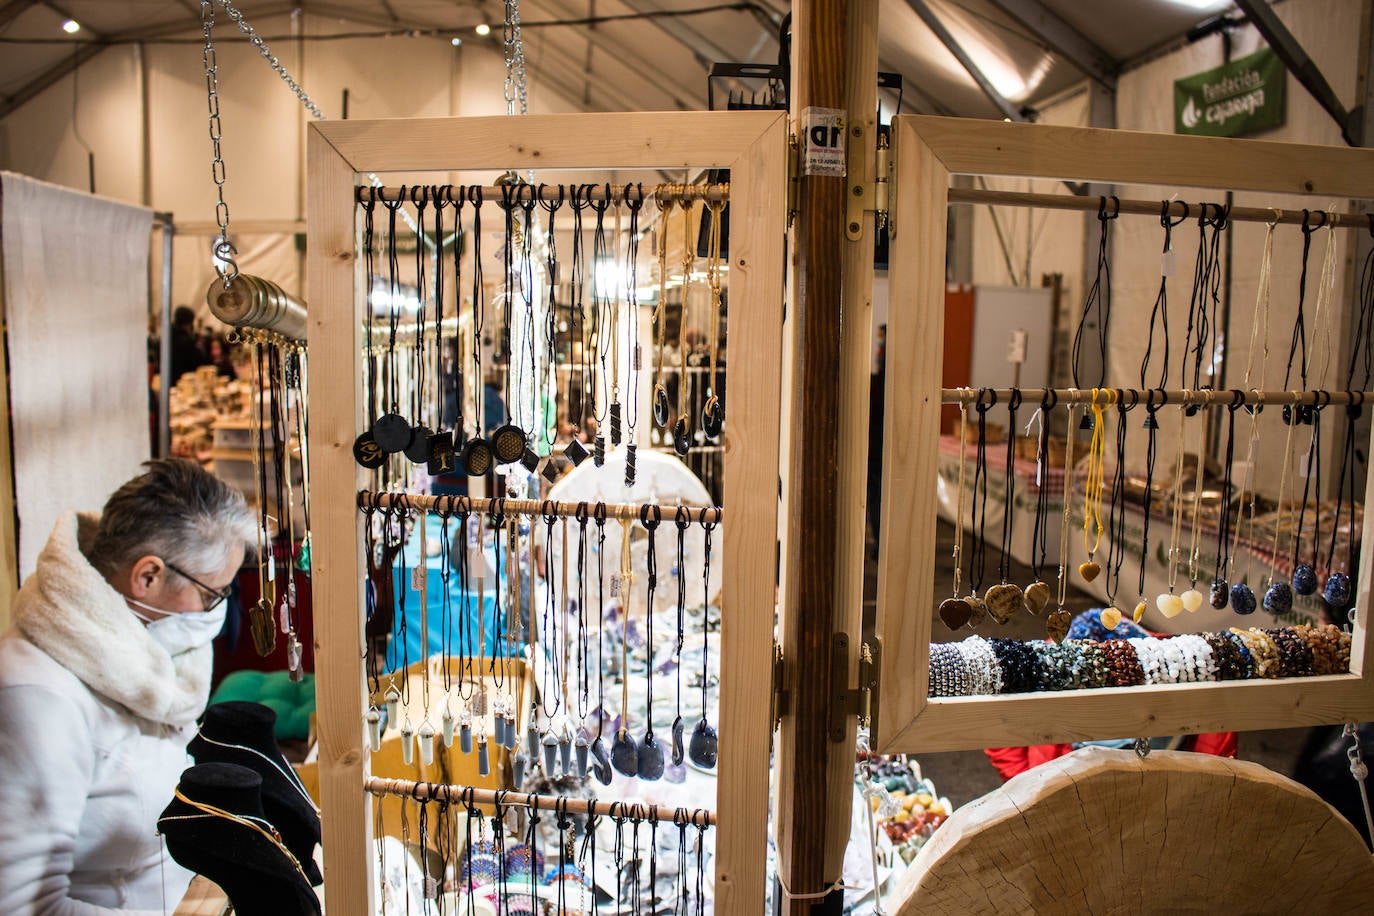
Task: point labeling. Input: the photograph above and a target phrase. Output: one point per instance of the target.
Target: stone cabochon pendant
(1036, 597)
(1003, 601)
(1057, 625)
(955, 612)
(1089, 570)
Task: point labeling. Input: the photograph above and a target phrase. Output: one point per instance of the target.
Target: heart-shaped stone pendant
(1036, 597)
(1110, 618)
(1089, 570)
(955, 612)
(1057, 625)
(980, 610)
(1192, 600)
(1003, 601)
(703, 745)
(1169, 605)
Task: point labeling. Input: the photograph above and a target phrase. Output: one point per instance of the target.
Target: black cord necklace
(551, 206)
(703, 745)
(602, 770)
(650, 752)
(634, 203)
(1305, 574)
(1220, 592)
(476, 454)
(1004, 599)
(1161, 306)
(987, 397)
(1152, 407)
(682, 519)
(582, 745)
(1099, 296)
(601, 327)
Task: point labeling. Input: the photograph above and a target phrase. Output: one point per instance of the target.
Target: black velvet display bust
(252, 725)
(256, 874)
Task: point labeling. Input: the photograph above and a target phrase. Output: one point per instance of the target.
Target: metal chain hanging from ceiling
(516, 93)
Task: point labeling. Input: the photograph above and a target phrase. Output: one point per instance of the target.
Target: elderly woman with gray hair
(102, 677)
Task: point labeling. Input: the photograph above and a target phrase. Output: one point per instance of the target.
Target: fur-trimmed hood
(67, 609)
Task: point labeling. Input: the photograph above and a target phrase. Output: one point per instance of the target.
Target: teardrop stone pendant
(602, 769)
(679, 751)
(1304, 579)
(650, 757)
(625, 754)
(1278, 598)
(1139, 612)
(703, 746)
(1242, 599)
(1220, 593)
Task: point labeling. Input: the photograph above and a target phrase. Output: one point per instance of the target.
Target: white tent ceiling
(633, 57)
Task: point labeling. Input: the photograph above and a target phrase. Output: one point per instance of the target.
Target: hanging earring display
(713, 411)
(955, 611)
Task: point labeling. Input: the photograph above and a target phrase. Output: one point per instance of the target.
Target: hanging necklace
(1057, 624)
(713, 412)
(665, 208)
(604, 343)
(392, 431)
(583, 685)
(1102, 398)
(366, 451)
(1100, 294)
(1116, 517)
(1037, 594)
(625, 750)
(1220, 592)
(703, 745)
(579, 343)
(260, 614)
(599, 752)
(476, 454)
(650, 752)
(418, 449)
(1192, 598)
(1151, 453)
(1337, 591)
(1305, 574)
(1161, 306)
(682, 441)
(634, 204)
(551, 206)
(978, 556)
(682, 519)
(954, 610)
(1004, 599)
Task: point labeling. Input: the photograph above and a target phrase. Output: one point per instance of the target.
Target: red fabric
(1009, 761)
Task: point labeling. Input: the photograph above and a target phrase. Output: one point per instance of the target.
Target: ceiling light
(484, 30)
(71, 26)
(457, 42)
(1199, 4)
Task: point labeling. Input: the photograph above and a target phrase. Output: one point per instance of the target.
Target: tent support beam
(1064, 40)
(1004, 105)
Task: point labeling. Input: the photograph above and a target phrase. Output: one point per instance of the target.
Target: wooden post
(815, 773)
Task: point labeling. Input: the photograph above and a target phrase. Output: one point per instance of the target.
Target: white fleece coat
(94, 720)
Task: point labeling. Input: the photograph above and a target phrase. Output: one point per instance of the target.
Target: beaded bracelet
(1121, 663)
(1231, 660)
(1090, 665)
(1055, 664)
(949, 675)
(985, 677)
(1295, 658)
(1201, 665)
(1017, 661)
(1263, 651)
(1329, 645)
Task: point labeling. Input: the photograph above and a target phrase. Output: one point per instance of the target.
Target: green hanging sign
(1238, 98)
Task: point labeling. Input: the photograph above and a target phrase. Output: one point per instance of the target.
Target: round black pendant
(508, 443)
(661, 409)
(418, 450)
(392, 433)
(367, 452)
(476, 457)
(713, 417)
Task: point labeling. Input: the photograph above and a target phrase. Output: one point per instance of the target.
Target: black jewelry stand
(252, 725)
(257, 876)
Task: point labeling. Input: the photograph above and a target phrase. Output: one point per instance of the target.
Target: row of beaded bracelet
(978, 666)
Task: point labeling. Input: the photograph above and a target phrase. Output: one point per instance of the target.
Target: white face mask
(179, 632)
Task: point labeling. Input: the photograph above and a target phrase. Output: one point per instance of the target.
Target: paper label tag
(1016, 346)
(1303, 467)
(417, 578)
(615, 585)
(823, 141)
(1167, 264)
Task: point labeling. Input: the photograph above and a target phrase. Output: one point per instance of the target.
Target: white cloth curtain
(75, 294)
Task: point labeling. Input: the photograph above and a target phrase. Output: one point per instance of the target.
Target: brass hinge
(781, 700)
(864, 197)
(860, 701)
(793, 176)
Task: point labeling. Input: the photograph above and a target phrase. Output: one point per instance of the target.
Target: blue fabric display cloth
(463, 607)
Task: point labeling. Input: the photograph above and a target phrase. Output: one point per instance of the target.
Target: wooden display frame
(753, 145)
(928, 150)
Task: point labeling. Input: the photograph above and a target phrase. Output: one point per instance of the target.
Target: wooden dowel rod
(433, 791)
(1033, 396)
(1177, 208)
(534, 507)
(548, 193)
